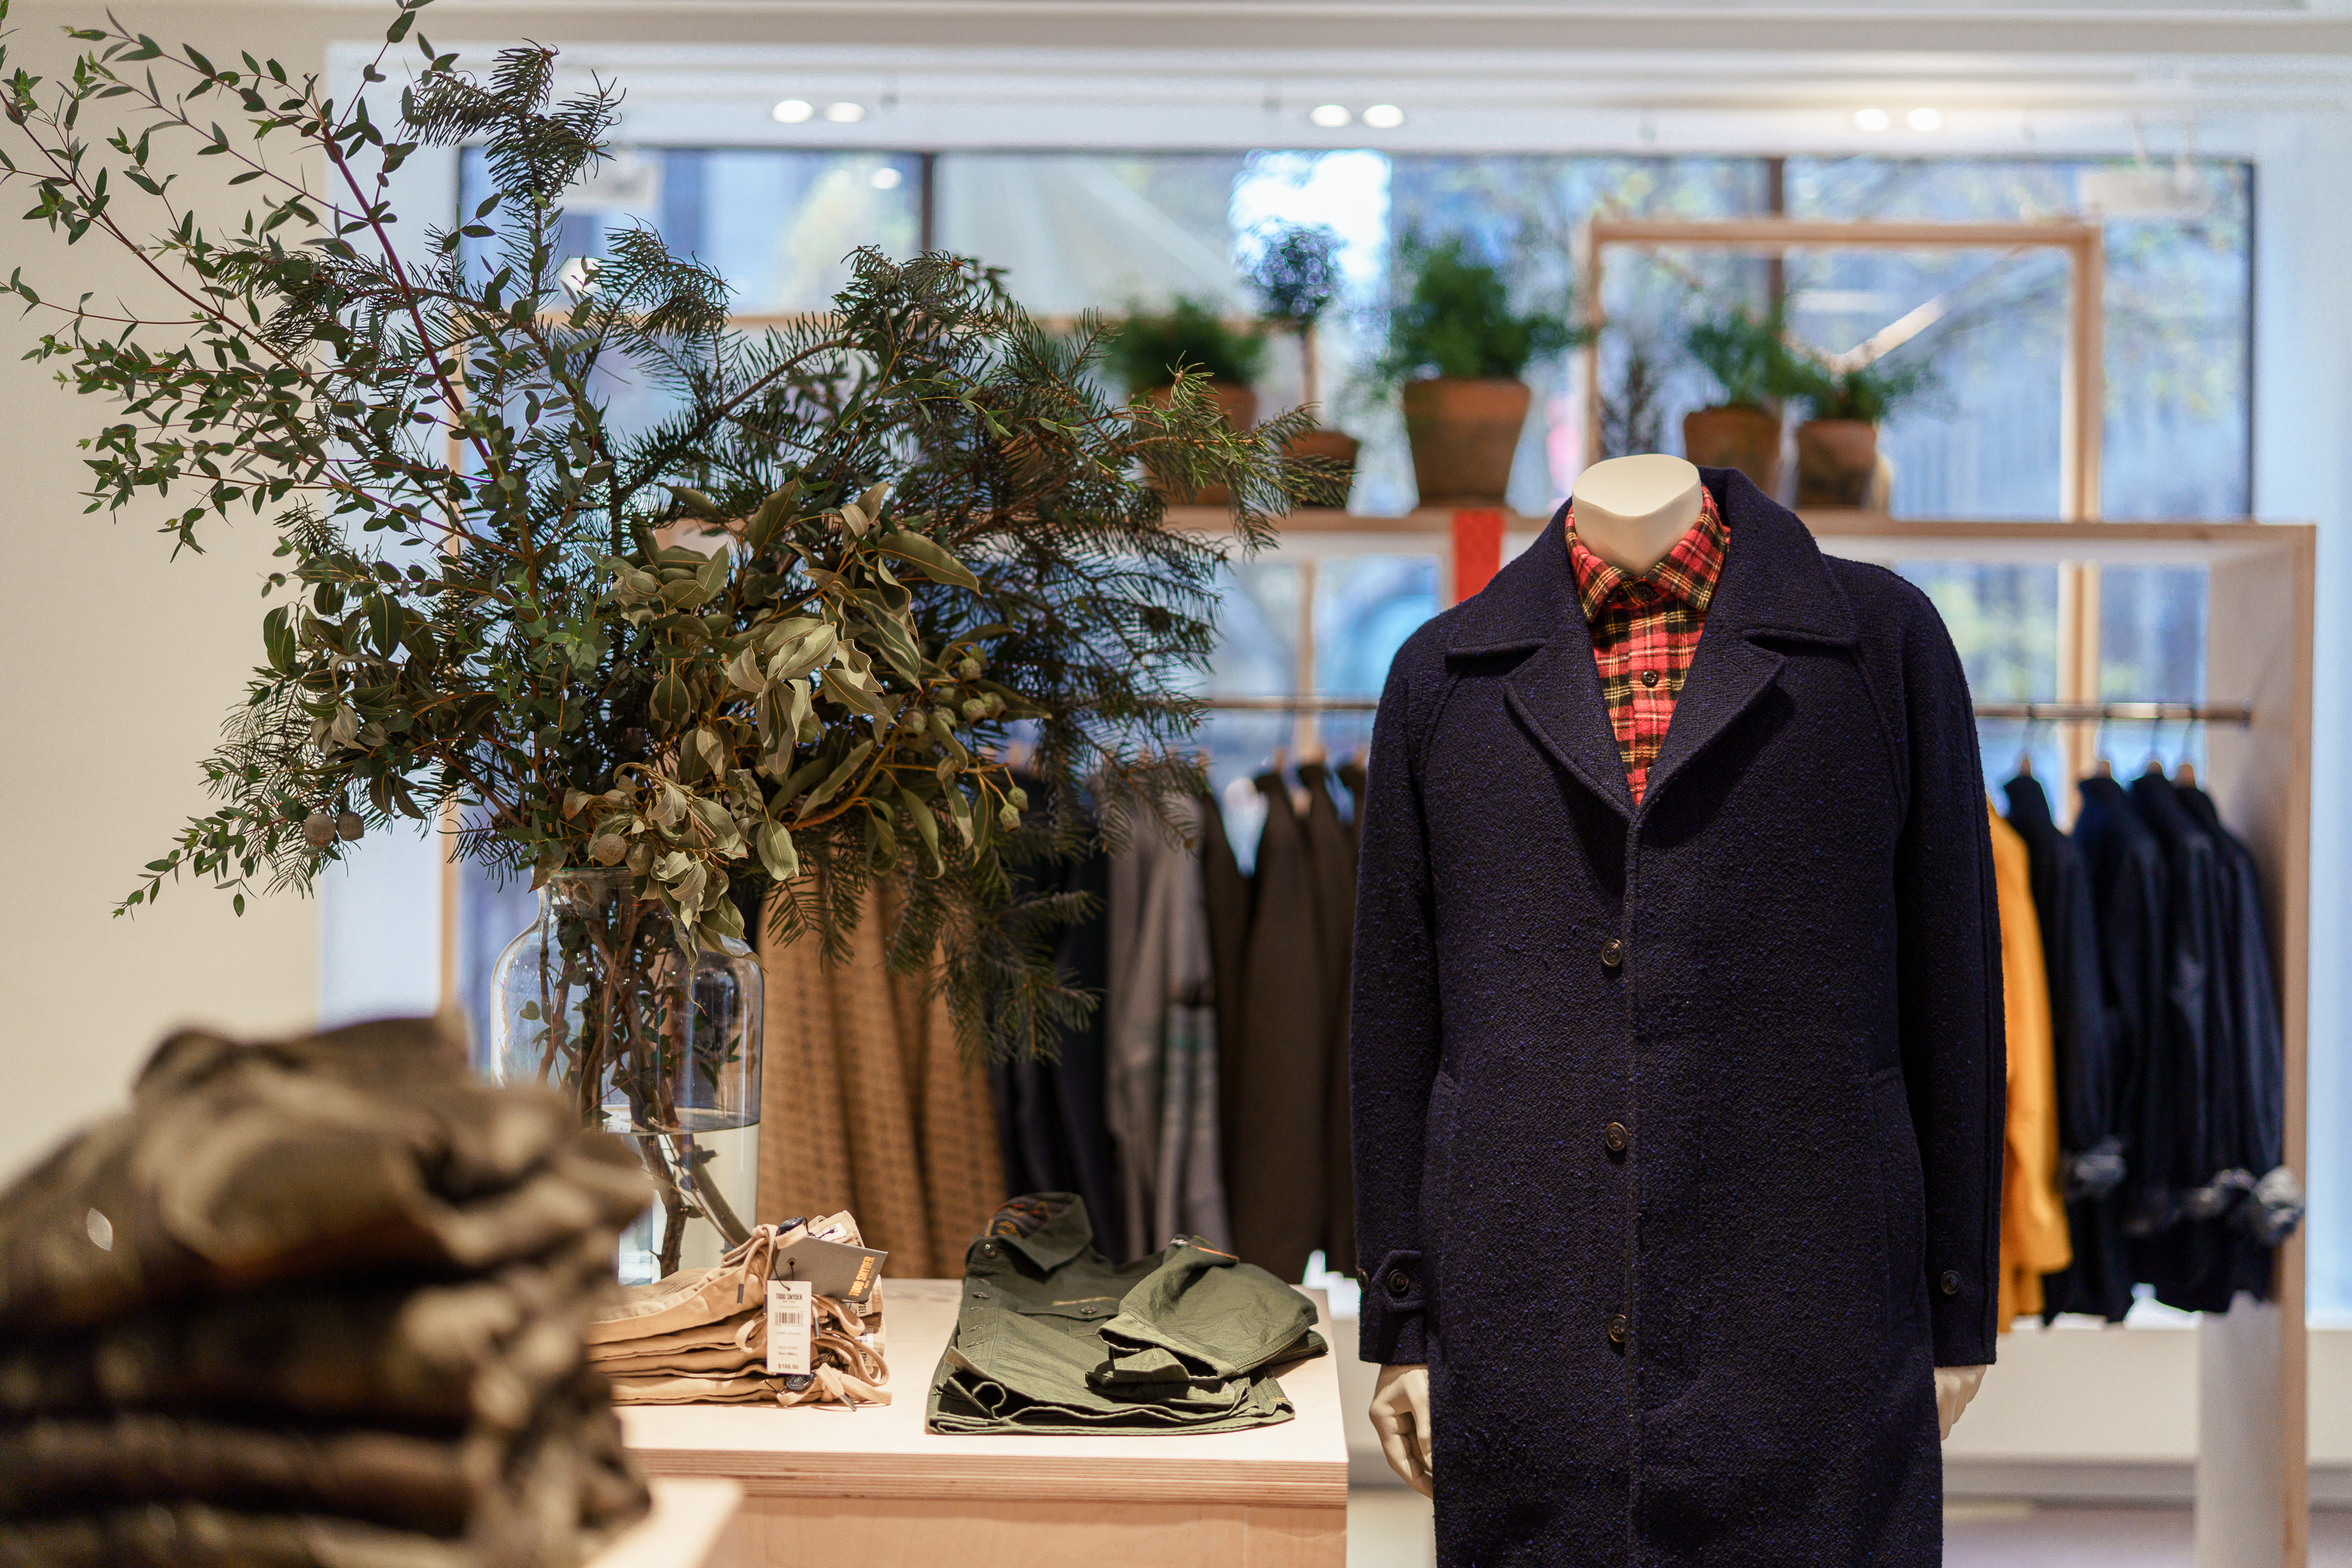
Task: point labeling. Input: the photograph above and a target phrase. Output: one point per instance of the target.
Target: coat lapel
(1775, 585)
(1557, 695)
(1532, 608)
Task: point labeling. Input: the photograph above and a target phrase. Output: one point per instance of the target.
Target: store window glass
(1365, 607)
(1096, 232)
(2004, 623)
(2177, 330)
(1523, 215)
(778, 225)
(2152, 650)
(1256, 655)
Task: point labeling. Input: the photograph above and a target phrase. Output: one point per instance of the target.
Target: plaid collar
(1688, 572)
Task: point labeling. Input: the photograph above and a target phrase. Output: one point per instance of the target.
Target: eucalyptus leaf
(840, 775)
(777, 853)
(938, 563)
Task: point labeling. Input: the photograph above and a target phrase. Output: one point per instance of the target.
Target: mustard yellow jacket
(2033, 1239)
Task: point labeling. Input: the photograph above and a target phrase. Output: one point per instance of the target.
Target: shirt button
(1613, 953)
(1950, 1282)
(1619, 1327)
(1400, 1282)
(1616, 1138)
(1649, 678)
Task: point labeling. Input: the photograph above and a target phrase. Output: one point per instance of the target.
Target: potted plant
(1153, 349)
(1837, 448)
(741, 664)
(1153, 354)
(1752, 364)
(1296, 276)
(1457, 349)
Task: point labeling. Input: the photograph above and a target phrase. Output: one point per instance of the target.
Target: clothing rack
(2151, 712)
(2056, 713)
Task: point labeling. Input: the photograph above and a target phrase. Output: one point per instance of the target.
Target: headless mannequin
(1629, 512)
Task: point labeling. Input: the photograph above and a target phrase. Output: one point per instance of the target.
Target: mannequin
(1629, 512)
(1689, 1248)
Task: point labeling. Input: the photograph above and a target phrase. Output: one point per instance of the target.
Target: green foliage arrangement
(1749, 357)
(1869, 393)
(1152, 349)
(777, 637)
(1456, 320)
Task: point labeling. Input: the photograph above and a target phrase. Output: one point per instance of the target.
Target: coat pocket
(1902, 1197)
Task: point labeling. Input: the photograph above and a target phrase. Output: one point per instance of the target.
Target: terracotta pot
(1464, 431)
(1745, 438)
(1239, 405)
(1837, 459)
(1334, 446)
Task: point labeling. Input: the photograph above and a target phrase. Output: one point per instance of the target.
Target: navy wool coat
(1678, 1127)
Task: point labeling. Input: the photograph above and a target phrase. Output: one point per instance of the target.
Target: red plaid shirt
(1645, 631)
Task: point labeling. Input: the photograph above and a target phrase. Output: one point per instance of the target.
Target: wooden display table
(691, 1526)
(872, 1487)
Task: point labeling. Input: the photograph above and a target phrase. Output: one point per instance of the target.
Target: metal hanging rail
(2145, 712)
(1291, 704)
(2051, 713)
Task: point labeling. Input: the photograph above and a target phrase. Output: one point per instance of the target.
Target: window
(1115, 231)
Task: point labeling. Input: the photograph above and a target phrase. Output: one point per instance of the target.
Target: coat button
(1649, 678)
(1400, 1282)
(1615, 1138)
(1950, 1283)
(1613, 953)
(1619, 1327)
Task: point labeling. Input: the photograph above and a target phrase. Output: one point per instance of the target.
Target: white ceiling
(1470, 75)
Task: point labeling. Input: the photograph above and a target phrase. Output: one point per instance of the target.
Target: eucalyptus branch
(920, 526)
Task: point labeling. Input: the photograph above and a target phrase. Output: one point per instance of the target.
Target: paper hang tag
(791, 1326)
(839, 1269)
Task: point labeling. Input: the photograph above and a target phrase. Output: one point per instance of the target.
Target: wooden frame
(2252, 1471)
(2082, 398)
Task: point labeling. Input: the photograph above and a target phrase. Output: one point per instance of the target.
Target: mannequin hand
(1401, 1416)
(1955, 1386)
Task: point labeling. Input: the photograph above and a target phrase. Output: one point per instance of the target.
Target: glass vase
(604, 1001)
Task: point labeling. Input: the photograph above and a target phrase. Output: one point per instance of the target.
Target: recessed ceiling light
(1329, 116)
(1871, 120)
(791, 112)
(844, 113)
(887, 178)
(1384, 117)
(1924, 119)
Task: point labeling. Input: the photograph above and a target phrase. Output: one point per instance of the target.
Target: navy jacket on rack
(2182, 1258)
(2099, 1280)
(2130, 891)
(1678, 1126)
(2253, 1142)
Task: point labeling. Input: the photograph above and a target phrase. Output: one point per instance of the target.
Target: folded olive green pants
(1052, 1337)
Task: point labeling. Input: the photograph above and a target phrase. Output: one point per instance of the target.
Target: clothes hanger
(2154, 767)
(2101, 767)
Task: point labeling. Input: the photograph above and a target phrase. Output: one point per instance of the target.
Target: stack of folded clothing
(1054, 1337)
(317, 1301)
(701, 1335)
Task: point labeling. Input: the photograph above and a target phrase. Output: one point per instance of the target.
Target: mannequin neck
(1630, 511)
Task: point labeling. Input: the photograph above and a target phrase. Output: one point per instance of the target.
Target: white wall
(2302, 455)
(120, 664)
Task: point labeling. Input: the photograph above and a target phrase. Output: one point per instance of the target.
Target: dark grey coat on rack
(1678, 1128)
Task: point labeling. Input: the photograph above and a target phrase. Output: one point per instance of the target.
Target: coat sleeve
(1948, 990)
(1393, 1033)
